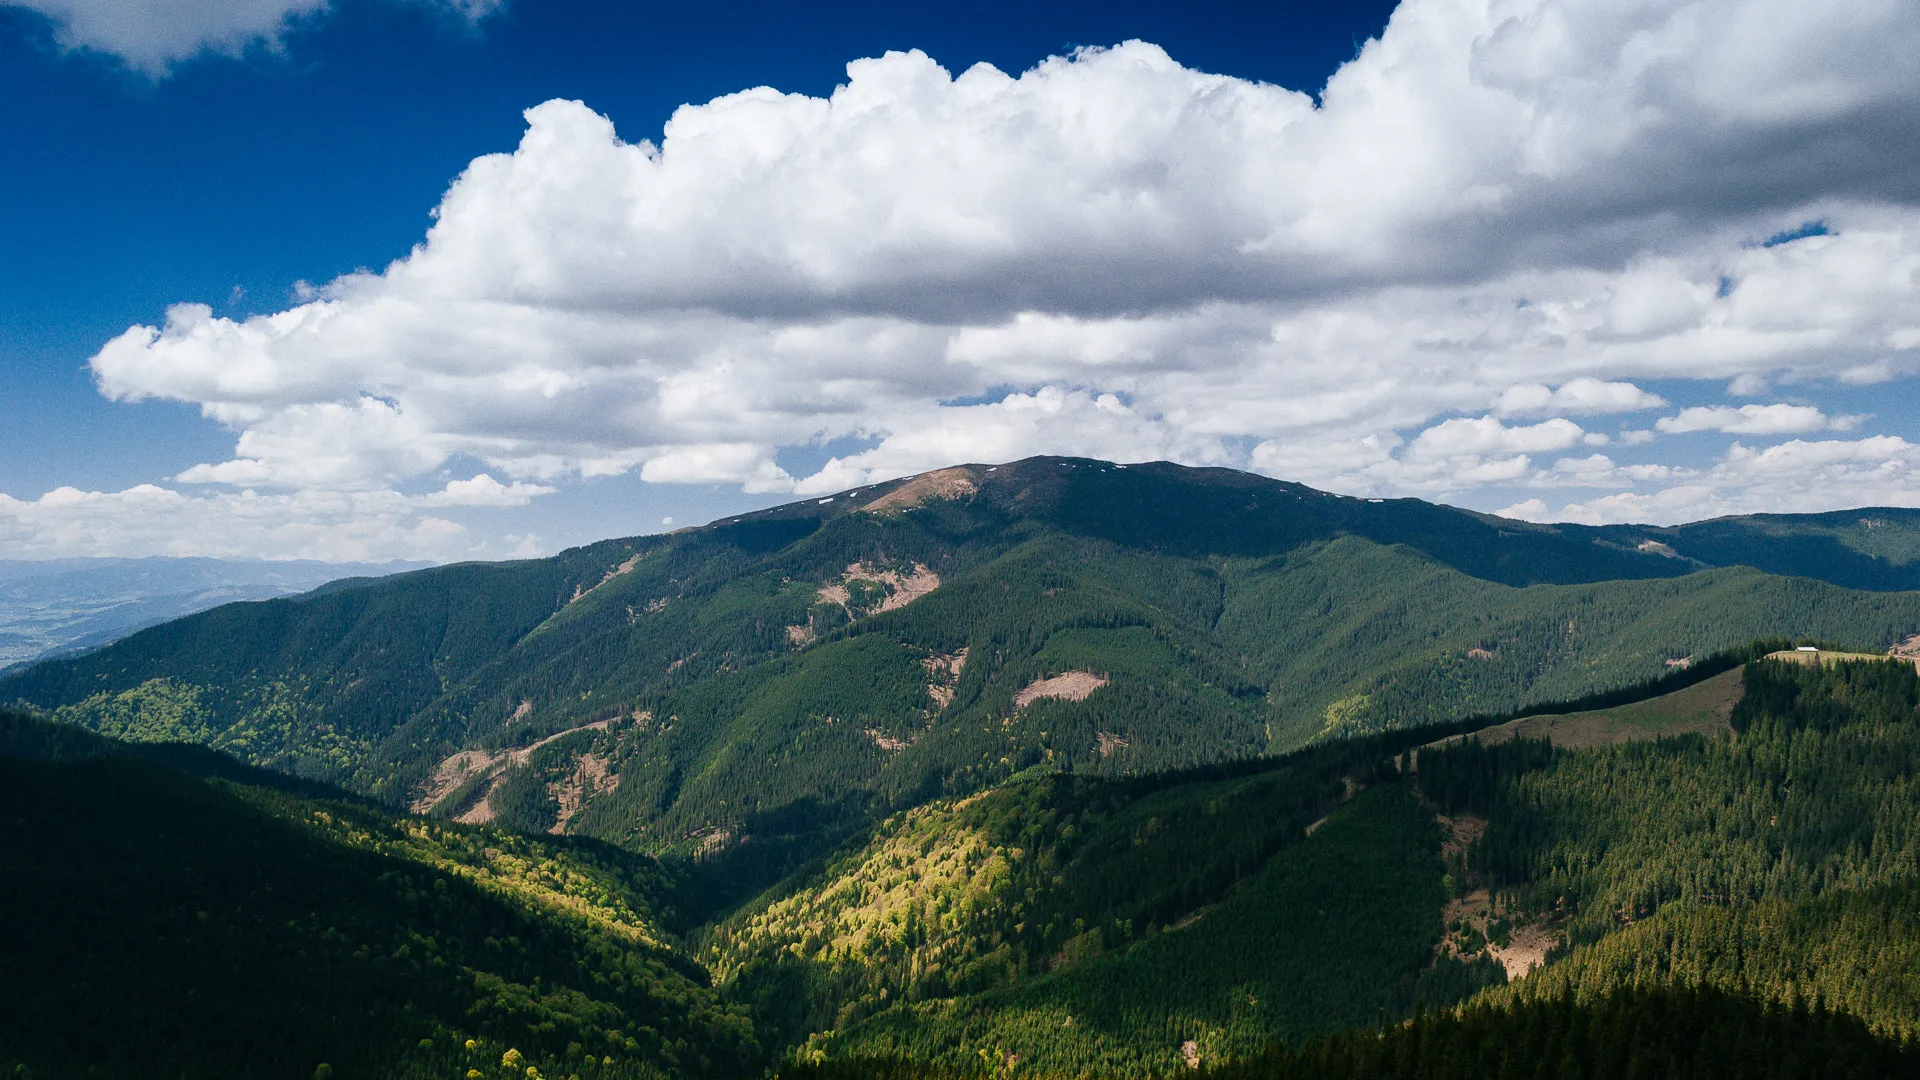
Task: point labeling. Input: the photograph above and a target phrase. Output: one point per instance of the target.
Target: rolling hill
(1120, 927)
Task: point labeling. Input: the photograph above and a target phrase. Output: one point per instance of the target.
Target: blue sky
(228, 179)
(1474, 200)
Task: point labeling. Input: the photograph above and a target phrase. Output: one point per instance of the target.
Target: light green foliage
(158, 710)
(1047, 897)
(1332, 933)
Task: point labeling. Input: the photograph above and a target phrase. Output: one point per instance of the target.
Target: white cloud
(1452, 456)
(1527, 510)
(1600, 471)
(745, 464)
(151, 520)
(1582, 395)
(1795, 476)
(1525, 209)
(1487, 435)
(484, 490)
(1052, 420)
(152, 35)
(1746, 420)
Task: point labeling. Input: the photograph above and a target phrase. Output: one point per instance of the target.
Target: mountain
(177, 913)
(1120, 927)
(760, 688)
(66, 605)
(1714, 875)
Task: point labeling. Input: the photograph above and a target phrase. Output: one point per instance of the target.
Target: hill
(1721, 903)
(1772, 861)
(1655, 1033)
(761, 687)
(196, 927)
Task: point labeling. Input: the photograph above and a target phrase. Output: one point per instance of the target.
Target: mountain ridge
(763, 684)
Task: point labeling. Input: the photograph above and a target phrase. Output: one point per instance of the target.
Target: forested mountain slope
(1742, 902)
(1127, 928)
(165, 924)
(762, 685)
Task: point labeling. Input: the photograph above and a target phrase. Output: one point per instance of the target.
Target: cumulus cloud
(150, 36)
(1516, 211)
(1488, 435)
(1751, 420)
(1582, 395)
(1794, 476)
(1052, 420)
(484, 490)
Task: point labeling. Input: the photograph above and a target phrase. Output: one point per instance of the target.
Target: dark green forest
(1782, 861)
(169, 925)
(1774, 864)
(1657, 1032)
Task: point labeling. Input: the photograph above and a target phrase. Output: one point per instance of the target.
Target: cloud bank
(1460, 272)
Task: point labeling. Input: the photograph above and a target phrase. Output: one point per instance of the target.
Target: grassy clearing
(1703, 709)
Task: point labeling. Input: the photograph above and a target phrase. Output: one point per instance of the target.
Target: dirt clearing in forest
(465, 765)
(939, 484)
(589, 778)
(944, 669)
(1473, 929)
(1071, 686)
(904, 589)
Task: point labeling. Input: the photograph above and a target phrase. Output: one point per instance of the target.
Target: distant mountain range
(64, 605)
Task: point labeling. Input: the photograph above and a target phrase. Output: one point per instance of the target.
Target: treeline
(1696, 1033)
(1655, 1033)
